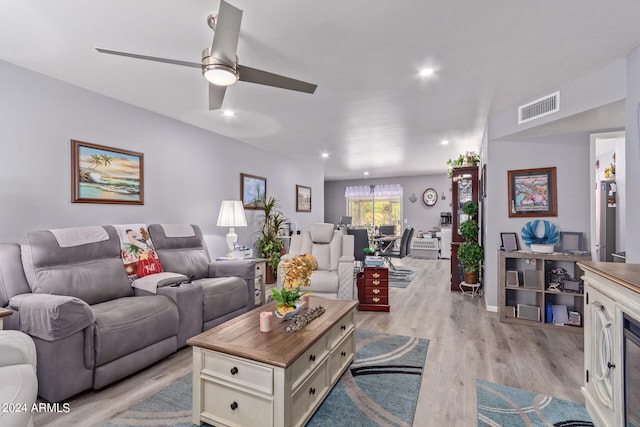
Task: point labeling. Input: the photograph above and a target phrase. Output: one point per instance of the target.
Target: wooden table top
(627, 275)
(241, 336)
(4, 312)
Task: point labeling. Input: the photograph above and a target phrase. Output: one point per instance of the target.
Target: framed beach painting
(303, 198)
(101, 174)
(532, 192)
(253, 190)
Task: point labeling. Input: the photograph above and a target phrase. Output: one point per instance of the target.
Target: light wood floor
(466, 343)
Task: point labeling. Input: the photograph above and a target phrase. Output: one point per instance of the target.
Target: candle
(266, 321)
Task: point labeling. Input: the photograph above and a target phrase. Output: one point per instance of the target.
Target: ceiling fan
(220, 63)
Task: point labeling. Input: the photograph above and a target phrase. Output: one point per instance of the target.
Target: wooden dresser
(373, 289)
(244, 377)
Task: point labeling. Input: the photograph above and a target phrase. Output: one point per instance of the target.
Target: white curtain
(373, 190)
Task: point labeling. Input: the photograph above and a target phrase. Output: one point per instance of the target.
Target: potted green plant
(470, 253)
(268, 244)
(466, 159)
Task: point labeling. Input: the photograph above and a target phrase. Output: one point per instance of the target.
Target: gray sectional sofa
(90, 326)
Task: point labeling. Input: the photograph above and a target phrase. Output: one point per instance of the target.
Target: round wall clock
(430, 197)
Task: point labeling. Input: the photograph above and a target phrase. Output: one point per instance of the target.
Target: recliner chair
(18, 380)
(334, 252)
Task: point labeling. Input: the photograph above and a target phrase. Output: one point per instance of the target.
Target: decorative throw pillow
(137, 251)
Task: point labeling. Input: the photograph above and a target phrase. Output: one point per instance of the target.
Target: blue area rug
(499, 405)
(379, 389)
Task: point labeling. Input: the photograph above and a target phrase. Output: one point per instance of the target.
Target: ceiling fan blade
(150, 58)
(253, 75)
(216, 95)
(227, 32)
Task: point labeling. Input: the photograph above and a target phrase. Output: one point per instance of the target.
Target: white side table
(468, 289)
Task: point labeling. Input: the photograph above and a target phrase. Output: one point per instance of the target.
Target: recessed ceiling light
(366, 173)
(228, 113)
(325, 155)
(444, 142)
(425, 72)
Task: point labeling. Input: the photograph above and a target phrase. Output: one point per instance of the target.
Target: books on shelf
(373, 261)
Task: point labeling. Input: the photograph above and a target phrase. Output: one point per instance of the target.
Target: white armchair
(18, 380)
(334, 252)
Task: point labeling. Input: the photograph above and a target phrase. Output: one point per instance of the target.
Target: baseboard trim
(492, 308)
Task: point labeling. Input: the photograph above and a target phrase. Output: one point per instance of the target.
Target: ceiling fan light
(217, 72)
(220, 75)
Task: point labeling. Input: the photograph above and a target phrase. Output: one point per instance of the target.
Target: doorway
(607, 196)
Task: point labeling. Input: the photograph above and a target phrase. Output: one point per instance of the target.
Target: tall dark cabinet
(464, 188)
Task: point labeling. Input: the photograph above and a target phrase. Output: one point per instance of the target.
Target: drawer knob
(343, 354)
(312, 358)
(376, 275)
(234, 406)
(376, 299)
(312, 391)
(234, 370)
(610, 365)
(376, 291)
(343, 327)
(376, 282)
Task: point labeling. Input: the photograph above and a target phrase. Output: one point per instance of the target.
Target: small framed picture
(303, 198)
(253, 190)
(570, 241)
(509, 241)
(512, 279)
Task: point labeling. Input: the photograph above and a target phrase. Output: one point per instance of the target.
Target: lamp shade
(231, 214)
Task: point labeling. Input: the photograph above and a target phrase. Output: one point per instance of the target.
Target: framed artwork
(303, 198)
(102, 174)
(532, 192)
(253, 190)
(512, 279)
(509, 241)
(570, 242)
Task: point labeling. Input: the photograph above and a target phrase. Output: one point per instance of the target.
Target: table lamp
(231, 215)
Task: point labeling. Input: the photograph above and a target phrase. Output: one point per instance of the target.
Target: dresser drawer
(237, 371)
(342, 329)
(372, 299)
(305, 399)
(235, 407)
(341, 357)
(376, 273)
(380, 291)
(308, 361)
(376, 283)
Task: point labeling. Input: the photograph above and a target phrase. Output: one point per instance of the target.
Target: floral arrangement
(297, 272)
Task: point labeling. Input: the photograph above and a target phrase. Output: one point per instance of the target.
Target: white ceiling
(371, 111)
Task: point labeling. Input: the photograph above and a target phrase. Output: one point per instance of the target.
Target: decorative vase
(290, 314)
(471, 277)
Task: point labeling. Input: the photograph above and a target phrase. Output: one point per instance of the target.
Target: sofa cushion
(324, 281)
(92, 272)
(222, 295)
(126, 325)
(185, 255)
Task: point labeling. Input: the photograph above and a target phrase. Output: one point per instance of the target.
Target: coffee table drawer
(341, 357)
(342, 328)
(235, 370)
(310, 393)
(308, 361)
(229, 406)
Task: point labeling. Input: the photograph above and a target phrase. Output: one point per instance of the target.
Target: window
(375, 205)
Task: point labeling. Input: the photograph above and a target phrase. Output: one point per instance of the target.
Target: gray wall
(417, 214)
(632, 157)
(570, 155)
(188, 171)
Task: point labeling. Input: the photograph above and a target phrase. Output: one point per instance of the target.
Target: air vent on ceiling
(540, 107)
